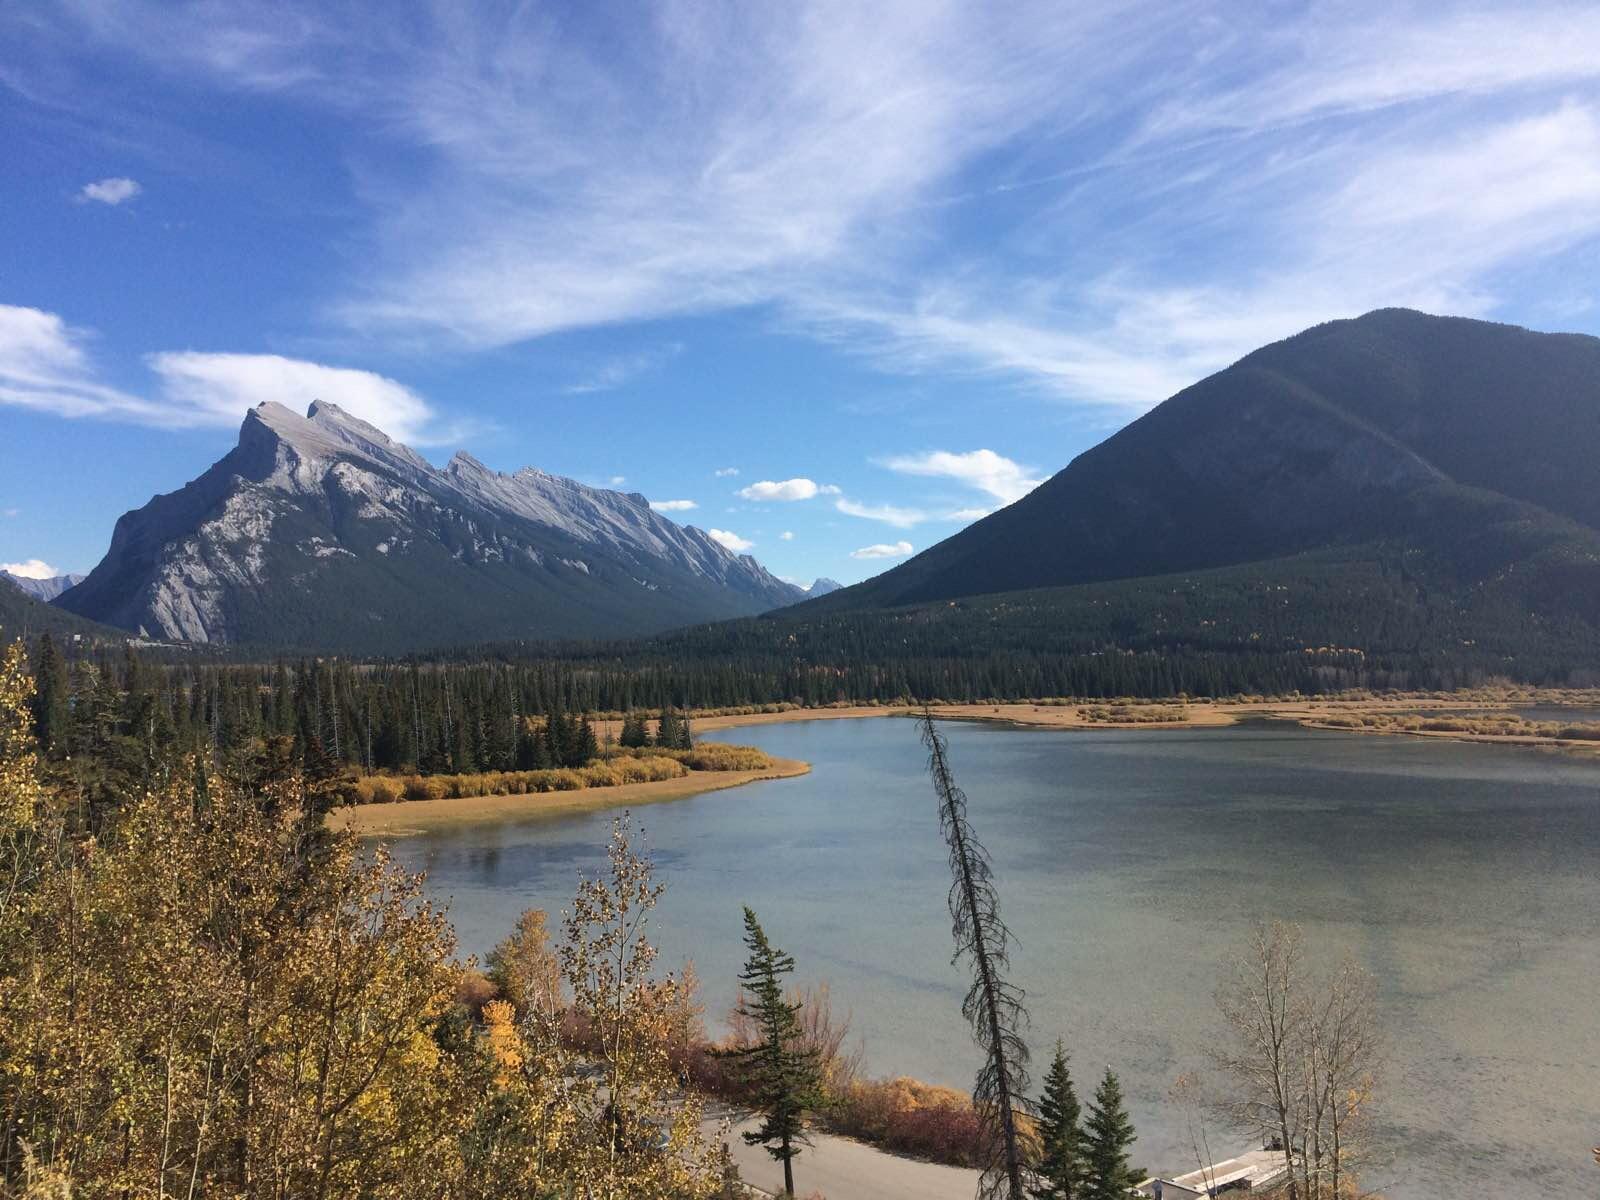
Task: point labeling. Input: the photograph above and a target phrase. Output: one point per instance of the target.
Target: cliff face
(321, 532)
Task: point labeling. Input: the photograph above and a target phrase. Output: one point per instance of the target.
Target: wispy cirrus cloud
(624, 369)
(897, 515)
(1159, 188)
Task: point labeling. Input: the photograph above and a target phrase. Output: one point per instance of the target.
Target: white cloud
(787, 489)
(985, 470)
(10, 512)
(729, 540)
(45, 365)
(883, 550)
(1176, 189)
(889, 514)
(218, 389)
(32, 568)
(673, 505)
(618, 480)
(786, 536)
(725, 472)
(110, 191)
(969, 514)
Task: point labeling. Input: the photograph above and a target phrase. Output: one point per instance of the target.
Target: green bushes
(646, 765)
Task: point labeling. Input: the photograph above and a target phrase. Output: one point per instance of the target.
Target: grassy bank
(474, 800)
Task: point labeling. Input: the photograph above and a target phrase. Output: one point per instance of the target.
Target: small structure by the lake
(1247, 1172)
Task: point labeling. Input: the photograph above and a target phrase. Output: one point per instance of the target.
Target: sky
(828, 279)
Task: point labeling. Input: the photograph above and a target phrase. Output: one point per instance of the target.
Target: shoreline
(1203, 714)
(405, 817)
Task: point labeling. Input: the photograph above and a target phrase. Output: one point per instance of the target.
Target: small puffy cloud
(786, 536)
(725, 472)
(985, 470)
(889, 514)
(673, 505)
(110, 191)
(217, 389)
(787, 489)
(618, 480)
(33, 568)
(729, 540)
(883, 550)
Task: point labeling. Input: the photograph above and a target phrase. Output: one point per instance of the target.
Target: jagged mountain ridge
(1468, 448)
(321, 532)
(41, 589)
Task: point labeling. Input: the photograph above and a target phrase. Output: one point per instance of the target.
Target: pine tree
(585, 748)
(1110, 1136)
(783, 1074)
(1061, 1168)
(667, 729)
(634, 733)
(52, 714)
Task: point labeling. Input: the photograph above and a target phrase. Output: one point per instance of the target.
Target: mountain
(21, 615)
(823, 586)
(321, 532)
(42, 589)
(1467, 453)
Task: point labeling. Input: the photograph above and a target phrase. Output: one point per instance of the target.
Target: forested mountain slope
(1474, 447)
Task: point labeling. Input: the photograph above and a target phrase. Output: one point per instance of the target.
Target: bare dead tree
(1303, 1060)
(993, 1006)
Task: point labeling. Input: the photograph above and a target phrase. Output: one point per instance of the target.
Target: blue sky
(842, 276)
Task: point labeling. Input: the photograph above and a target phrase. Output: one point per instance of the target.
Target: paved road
(841, 1169)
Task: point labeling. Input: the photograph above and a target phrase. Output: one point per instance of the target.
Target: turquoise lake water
(1467, 878)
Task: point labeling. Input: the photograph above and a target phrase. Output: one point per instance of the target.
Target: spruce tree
(1109, 1137)
(1061, 1168)
(783, 1075)
(585, 748)
(667, 729)
(52, 712)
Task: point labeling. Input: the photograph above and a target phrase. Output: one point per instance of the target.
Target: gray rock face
(321, 532)
(42, 589)
(822, 585)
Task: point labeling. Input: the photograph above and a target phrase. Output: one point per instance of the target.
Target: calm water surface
(1467, 878)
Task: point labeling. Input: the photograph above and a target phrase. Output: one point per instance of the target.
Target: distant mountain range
(1469, 452)
(1413, 493)
(823, 586)
(41, 589)
(322, 532)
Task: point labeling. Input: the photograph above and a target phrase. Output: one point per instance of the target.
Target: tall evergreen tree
(585, 748)
(1061, 1169)
(667, 729)
(52, 713)
(1109, 1136)
(784, 1075)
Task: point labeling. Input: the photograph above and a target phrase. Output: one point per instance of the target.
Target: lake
(1130, 863)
